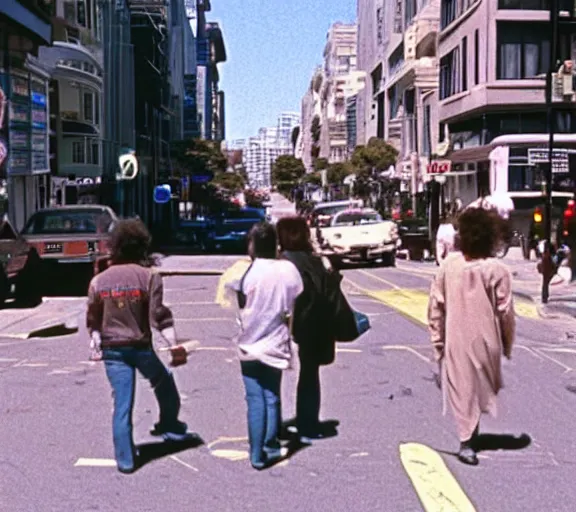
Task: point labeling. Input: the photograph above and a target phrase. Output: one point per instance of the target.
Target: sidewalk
(528, 284)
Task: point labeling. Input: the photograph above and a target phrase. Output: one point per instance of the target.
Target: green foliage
(313, 178)
(197, 156)
(286, 173)
(320, 164)
(337, 172)
(377, 155)
(231, 181)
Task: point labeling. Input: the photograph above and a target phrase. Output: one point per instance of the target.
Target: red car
(20, 268)
(71, 234)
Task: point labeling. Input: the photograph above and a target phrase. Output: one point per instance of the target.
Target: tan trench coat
(472, 323)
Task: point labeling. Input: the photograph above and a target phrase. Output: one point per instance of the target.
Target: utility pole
(551, 127)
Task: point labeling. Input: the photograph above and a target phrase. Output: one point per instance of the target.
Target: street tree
(197, 157)
(286, 173)
(378, 155)
(337, 172)
(315, 129)
(320, 164)
(230, 181)
(312, 178)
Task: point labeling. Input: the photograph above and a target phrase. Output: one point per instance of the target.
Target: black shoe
(467, 455)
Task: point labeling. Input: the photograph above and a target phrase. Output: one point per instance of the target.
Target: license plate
(53, 247)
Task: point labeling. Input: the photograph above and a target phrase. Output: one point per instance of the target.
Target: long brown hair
(294, 234)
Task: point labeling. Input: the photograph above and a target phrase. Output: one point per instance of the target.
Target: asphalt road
(55, 425)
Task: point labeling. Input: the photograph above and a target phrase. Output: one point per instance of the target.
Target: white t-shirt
(271, 288)
(445, 240)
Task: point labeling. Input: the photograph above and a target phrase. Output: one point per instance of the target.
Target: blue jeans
(262, 384)
(121, 365)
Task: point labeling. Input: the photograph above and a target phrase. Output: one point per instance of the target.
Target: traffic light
(538, 216)
(568, 217)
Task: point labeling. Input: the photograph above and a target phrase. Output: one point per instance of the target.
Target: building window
(426, 124)
(94, 152)
(523, 50)
(398, 28)
(91, 107)
(78, 153)
(81, 13)
(411, 9)
(476, 57)
(380, 26)
(450, 83)
(448, 12)
(464, 60)
(526, 5)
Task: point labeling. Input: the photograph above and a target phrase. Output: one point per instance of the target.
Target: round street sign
(162, 194)
(128, 165)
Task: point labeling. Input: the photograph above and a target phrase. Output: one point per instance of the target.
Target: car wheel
(389, 260)
(30, 283)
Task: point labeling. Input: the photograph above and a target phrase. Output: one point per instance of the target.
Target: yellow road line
(414, 303)
(435, 485)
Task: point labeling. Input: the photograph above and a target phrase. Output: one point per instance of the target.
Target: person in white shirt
(266, 296)
(447, 234)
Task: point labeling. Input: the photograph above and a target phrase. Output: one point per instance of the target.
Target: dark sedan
(20, 268)
(231, 229)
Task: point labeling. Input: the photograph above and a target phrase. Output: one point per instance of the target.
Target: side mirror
(162, 194)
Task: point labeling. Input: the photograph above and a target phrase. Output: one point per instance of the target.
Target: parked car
(71, 234)
(360, 235)
(231, 229)
(20, 268)
(415, 237)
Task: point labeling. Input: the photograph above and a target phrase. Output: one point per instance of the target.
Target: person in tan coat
(472, 324)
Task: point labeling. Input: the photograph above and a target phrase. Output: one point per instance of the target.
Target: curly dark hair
(294, 234)
(130, 242)
(479, 232)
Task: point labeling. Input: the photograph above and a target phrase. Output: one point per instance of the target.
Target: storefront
(24, 131)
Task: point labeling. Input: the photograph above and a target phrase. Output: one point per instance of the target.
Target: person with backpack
(313, 322)
(124, 301)
(266, 295)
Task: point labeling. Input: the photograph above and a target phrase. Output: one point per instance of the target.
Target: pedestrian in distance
(266, 297)
(447, 234)
(472, 324)
(124, 301)
(312, 324)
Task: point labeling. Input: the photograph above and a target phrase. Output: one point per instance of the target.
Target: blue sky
(272, 47)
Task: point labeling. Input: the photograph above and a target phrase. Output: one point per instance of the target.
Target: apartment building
(341, 81)
(260, 152)
(307, 150)
(493, 59)
(371, 45)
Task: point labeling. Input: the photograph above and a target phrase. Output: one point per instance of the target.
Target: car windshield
(357, 218)
(67, 222)
(331, 210)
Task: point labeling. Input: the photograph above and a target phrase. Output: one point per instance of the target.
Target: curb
(545, 311)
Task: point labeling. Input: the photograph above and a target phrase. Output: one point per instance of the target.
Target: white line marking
(216, 319)
(349, 350)
(34, 365)
(407, 349)
(8, 360)
(100, 463)
(185, 464)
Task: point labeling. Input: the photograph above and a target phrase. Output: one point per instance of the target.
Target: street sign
(128, 165)
(438, 167)
(207, 177)
(162, 194)
(560, 162)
